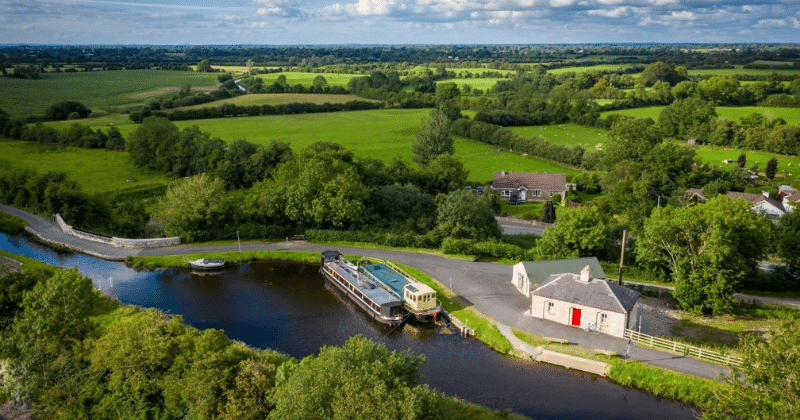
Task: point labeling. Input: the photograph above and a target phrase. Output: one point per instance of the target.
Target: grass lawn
(741, 71)
(583, 69)
(566, 134)
(644, 112)
(307, 79)
(96, 170)
(788, 166)
(733, 113)
(527, 210)
(99, 90)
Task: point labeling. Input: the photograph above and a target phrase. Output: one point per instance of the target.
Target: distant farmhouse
(526, 186)
(582, 301)
(529, 275)
(759, 203)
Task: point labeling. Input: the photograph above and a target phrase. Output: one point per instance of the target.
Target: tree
(204, 66)
(360, 380)
(742, 160)
(152, 145)
(433, 138)
(61, 110)
(660, 71)
(549, 212)
(788, 240)
(771, 169)
(766, 385)
(708, 249)
(687, 117)
(194, 208)
(464, 215)
(443, 174)
(579, 232)
(320, 82)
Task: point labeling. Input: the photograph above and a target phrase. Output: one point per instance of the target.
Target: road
(485, 286)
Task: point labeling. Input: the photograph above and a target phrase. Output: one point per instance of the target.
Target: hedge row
(394, 239)
(231, 110)
(494, 249)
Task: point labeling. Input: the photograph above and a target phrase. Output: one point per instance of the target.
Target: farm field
(96, 170)
(280, 98)
(484, 84)
(733, 113)
(307, 79)
(99, 90)
(741, 71)
(788, 166)
(566, 134)
(599, 67)
(381, 134)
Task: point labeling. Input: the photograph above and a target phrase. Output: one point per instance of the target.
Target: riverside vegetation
(265, 187)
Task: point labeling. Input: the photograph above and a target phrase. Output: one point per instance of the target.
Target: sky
(325, 22)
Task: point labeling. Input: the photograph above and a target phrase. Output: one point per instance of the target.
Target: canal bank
(483, 287)
(288, 307)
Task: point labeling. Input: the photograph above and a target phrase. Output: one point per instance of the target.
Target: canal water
(289, 307)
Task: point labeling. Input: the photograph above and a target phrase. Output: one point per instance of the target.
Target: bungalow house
(585, 302)
(759, 203)
(528, 275)
(529, 186)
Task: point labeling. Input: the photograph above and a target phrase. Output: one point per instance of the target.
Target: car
(513, 201)
(479, 190)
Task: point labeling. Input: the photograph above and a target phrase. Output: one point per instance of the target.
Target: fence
(680, 348)
(517, 220)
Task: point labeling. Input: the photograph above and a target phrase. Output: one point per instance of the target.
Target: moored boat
(418, 298)
(378, 302)
(207, 263)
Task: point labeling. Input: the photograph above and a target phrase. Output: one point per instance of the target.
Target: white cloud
(561, 3)
(685, 15)
(795, 23)
(771, 23)
(613, 13)
(661, 2)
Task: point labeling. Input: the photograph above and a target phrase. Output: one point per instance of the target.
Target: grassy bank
(10, 224)
(234, 257)
(654, 380)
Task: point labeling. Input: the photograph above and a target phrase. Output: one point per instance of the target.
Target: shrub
(454, 246)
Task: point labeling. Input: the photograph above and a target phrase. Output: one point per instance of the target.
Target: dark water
(288, 307)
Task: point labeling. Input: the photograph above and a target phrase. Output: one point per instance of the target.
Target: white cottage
(582, 301)
(528, 275)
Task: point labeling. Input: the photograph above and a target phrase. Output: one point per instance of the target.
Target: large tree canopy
(708, 249)
(579, 232)
(433, 138)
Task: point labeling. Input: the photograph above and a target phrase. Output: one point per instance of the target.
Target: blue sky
(396, 21)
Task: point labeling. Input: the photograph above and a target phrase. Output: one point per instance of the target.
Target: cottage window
(602, 319)
(551, 308)
(506, 193)
(536, 193)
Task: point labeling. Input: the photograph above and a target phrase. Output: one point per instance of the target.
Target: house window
(602, 319)
(551, 308)
(536, 193)
(506, 193)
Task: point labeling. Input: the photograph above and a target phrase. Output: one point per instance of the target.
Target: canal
(289, 307)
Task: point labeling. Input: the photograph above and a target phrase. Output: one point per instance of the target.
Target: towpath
(485, 286)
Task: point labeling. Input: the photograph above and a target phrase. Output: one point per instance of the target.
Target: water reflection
(289, 307)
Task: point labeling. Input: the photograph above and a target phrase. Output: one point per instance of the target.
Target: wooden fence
(681, 348)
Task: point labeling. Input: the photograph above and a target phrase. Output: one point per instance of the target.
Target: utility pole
(622, 255)
(240, 242)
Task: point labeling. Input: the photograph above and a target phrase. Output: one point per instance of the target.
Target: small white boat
(207, 263)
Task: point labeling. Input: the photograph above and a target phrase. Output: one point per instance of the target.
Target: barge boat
(418, 298)
(378, 302)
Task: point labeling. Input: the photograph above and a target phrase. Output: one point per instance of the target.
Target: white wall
(562, 313)
(519, 278)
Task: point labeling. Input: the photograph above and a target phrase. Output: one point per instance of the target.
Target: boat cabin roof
(396, 281)
(350, 273)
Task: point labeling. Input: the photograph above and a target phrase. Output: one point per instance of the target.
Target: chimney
(503, 173)
(586, 274)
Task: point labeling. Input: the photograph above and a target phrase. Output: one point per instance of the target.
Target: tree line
(233, 110)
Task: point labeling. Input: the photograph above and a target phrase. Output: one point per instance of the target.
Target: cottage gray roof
(757, 198)
(538, 271)
(597, 293)
(530, 181)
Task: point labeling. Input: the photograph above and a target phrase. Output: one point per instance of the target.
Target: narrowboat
(418, 298)
(378, 302)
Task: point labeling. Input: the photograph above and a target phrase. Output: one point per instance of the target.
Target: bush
(454, 246)
(499, 250)
(62, 110)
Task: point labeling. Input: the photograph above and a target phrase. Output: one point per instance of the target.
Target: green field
(96, 170)
(382, 134)
(281, 98)
(99, 90)
(733, 113)
(566, 134)
(788, 166)
(740, 71)
(307, 79)
(484, 84)
(599, 67)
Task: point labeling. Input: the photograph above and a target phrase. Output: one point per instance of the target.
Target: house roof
(757, 198)
(538, 271)
(529, 180)
(597, 293)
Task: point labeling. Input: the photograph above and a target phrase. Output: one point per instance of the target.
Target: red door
(576, 317)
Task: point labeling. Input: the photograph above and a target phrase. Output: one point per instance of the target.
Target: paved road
(485, 286)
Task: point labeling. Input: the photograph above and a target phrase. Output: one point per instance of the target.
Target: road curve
(485, 286)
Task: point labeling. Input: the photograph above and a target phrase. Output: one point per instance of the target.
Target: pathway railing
(681, 348)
